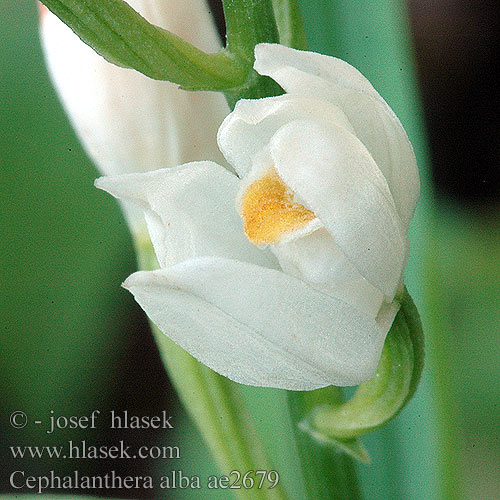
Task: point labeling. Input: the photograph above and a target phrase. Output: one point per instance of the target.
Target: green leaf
(379, 400)
(290, 25)
(118, 33)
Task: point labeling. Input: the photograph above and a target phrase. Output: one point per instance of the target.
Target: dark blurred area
(457, 46)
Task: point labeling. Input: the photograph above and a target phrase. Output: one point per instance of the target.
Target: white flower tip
(224, 131)
(129, 283)
(42, 10)
(110, 185)
(264, 50)
(140, 278)
(126, 186)
(100, 183)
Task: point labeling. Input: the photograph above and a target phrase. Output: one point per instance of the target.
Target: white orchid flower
(297, 287)
(126, 121)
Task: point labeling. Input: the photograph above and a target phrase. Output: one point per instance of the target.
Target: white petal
(125, 121)
(316, 259)
(334, 174)
(376, 125)
(190, 212)
(248, 129)
(259, 326)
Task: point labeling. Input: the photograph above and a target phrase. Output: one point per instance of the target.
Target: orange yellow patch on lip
(269, 211)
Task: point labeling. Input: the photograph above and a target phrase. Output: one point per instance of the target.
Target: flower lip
(271, 213)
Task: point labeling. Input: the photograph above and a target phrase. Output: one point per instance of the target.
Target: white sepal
(189, 211)
(331, 170)
(259, 326)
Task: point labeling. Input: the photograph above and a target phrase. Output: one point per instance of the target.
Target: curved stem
(289, 22)
(249, 22)
(380, 399)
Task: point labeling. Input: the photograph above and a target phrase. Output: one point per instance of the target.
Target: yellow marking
(269, 211)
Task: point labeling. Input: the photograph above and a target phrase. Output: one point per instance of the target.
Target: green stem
(452, 483)
(249, 22)
(214, 405)
(329, 472)
(289, 22)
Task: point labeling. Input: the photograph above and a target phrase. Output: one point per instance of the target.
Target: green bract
(117, 32)
(122, 36)
(330, 421)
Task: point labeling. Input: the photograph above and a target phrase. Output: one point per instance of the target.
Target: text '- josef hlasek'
(111, 420)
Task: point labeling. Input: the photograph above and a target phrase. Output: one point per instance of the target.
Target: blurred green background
(74, 341)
